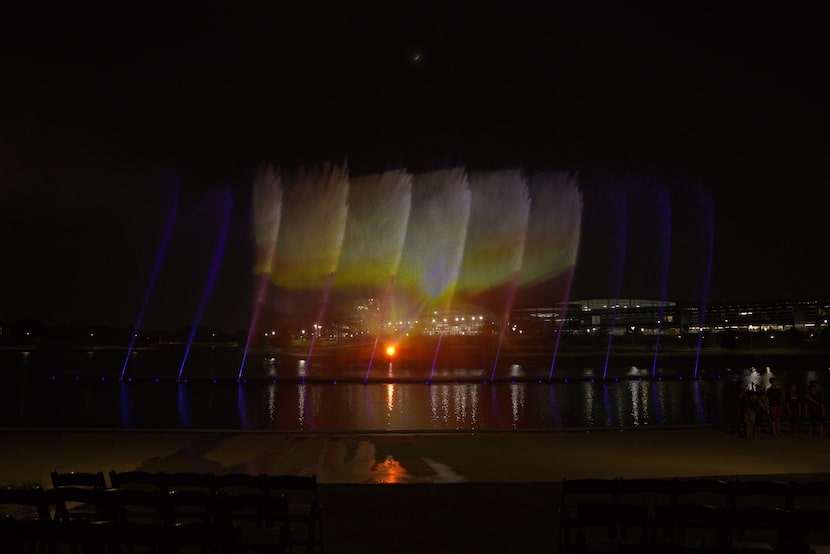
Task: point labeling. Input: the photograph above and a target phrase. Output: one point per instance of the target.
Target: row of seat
(35, 536)
(189, 480)
(714, 491)
(274, 511)
(683, 515)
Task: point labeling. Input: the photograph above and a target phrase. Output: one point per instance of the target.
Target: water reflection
(589, 403)
(554, 407)
(674, 399)
(698, 396)
(29, 400)
(440, 404)
(658, 399)
(390, 404)
(301, 388)
(271, 402)
(643, 387)
(495, 411)
(460, 399)
(316, 402)
(634, 389)
(184, 409)
(390, 397)
(125, 404)
(517, 401)
(389, 470)
(606, 402)
(241, 406)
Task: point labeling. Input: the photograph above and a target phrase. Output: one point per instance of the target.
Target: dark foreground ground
(459, 517)
(438, 492)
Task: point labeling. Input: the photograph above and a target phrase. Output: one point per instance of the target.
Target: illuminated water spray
(563, 316)
(156, 268)
(318, 328)
(313, 223)
(623, 241)
(553, 232)
(267, 209)
(227, 204)
(498, 217)
(387, 297)
(379, 206)
(434, 246)
(412, 245)
(663, 248)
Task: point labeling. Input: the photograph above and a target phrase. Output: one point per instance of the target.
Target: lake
(81, 389)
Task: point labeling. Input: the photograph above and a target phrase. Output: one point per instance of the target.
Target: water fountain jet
(267, 209)
(227, 202)
(154, 275)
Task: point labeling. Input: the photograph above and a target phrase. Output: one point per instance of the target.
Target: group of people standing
(757, 408)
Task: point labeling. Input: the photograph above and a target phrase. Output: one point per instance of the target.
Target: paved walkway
(490, 457)
(465, 492)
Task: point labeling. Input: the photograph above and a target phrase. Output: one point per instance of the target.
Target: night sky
(103, 110)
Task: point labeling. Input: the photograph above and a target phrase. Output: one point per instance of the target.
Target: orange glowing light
(390, 350)
(390, 471)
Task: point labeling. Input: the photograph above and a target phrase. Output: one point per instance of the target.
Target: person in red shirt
(775, 404)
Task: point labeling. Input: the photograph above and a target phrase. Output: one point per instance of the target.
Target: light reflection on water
(633, 389)
(384, 406)
(300, 405)
(272, 403)
(631, 401)
(659, 400)
(460, 403)
(589, 403)
(390, 404)
(517, 401)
